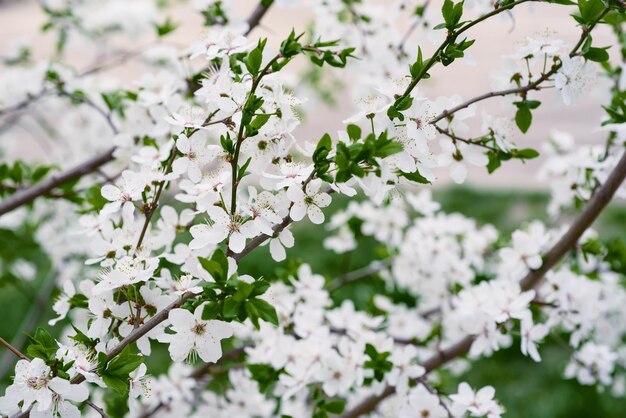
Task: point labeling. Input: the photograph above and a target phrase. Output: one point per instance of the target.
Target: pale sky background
(494, 38)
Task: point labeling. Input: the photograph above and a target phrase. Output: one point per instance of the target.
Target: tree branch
(257, 14)
(28, 195)
(568, 241)
(375, 267)
(13, 349)
(96, 408)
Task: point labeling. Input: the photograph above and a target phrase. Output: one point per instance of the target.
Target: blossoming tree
(162, 188)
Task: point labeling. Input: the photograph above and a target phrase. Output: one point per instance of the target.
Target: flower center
(37, 382)
(199, 328)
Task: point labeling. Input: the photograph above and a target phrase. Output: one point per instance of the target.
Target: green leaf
(597, 54)
(220, 258)
(244, 290)
(123, 363)
(354, 132)
(79, 301)
(335, 407)
(418, 65)
(494, 161)
(264, 374)
(526, 153)
(166, 27)
(265, 311)
(260, 287)
(116, 383)
(523, 117)
(231, 308)
(255, 58)
(252, 314)
(213, 268)
(83, 339)
(259, 121)
(416, 177)
(211, 310)
(40, 172)
(452, 13)
(590, 10)
(242, 170)
(42, 345)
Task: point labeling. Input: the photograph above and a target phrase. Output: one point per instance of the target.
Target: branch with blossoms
(93, 164)
(165, 261)
(560, 249)
(532, 85)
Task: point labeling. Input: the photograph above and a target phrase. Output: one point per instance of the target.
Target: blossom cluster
(208, 164)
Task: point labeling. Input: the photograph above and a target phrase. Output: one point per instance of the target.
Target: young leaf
(213, 268)
(523, 117)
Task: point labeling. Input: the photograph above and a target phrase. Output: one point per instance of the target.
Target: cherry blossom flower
(128, 190)
(188, 117)
(62, 305)
(422, 403)
(291, 174)
(592, 363)
(531, 334)
(194, 153)
(278, 244)
(573, 78)
(223, 225)
(526, 250)
(478, 404)
(455, 155)
(308, 202)
(193, 335)
(34, 385)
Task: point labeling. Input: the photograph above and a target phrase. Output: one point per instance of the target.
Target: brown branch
(28, 195)
(375, 267)
(29, 323)
(24, 103)
(96, 408)
(567, 242)
(255, 17)
(13, 349)
(152, 206)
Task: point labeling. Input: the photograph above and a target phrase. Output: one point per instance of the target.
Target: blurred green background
(525, 388)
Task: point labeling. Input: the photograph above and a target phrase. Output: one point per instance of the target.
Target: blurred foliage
(526, 389)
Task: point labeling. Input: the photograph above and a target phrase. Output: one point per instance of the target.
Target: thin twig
(13, 349)
(96, 408)
(375, 267)
(28, 195)
(255, 17)
(28, 324)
